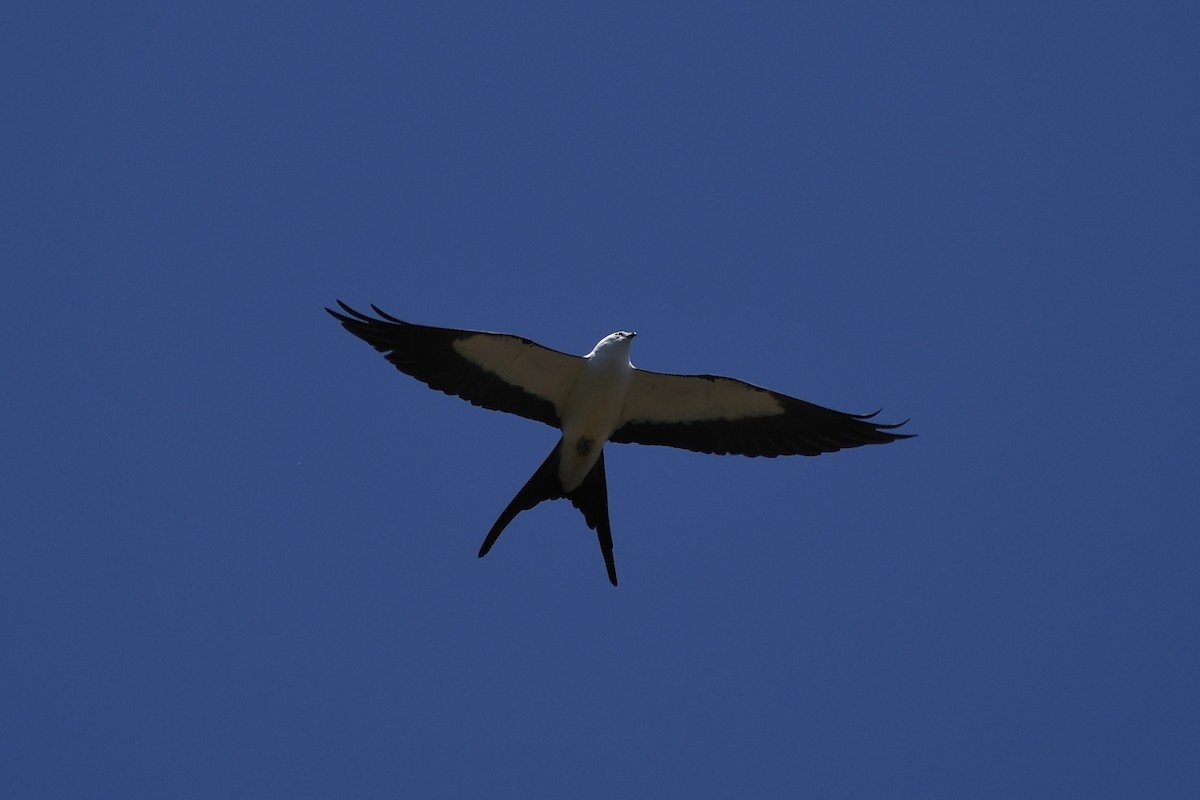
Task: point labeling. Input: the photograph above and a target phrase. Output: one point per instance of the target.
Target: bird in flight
(600, 398)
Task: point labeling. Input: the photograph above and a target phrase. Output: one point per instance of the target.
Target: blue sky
(238, 549)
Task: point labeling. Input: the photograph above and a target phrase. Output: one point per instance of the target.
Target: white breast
(593, 410)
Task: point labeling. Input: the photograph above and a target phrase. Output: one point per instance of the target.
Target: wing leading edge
(497, 371)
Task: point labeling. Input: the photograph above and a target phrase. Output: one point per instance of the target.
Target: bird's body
(602, 397)
(593, 409)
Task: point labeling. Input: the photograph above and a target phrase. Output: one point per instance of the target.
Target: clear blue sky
(237, 549)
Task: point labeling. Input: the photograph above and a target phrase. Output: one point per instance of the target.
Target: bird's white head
(614, 345)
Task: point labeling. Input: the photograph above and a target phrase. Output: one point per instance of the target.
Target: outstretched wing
(711, 414)
(492, 370)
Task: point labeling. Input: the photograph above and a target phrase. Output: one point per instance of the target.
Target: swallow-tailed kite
(601, 398)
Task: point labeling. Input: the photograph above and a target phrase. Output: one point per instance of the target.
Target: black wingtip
(885, 428)
(354, 316)
(334, 314)
(383, 314)
(888, 429)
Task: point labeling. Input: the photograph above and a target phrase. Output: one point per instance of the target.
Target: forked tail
(591, 498)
